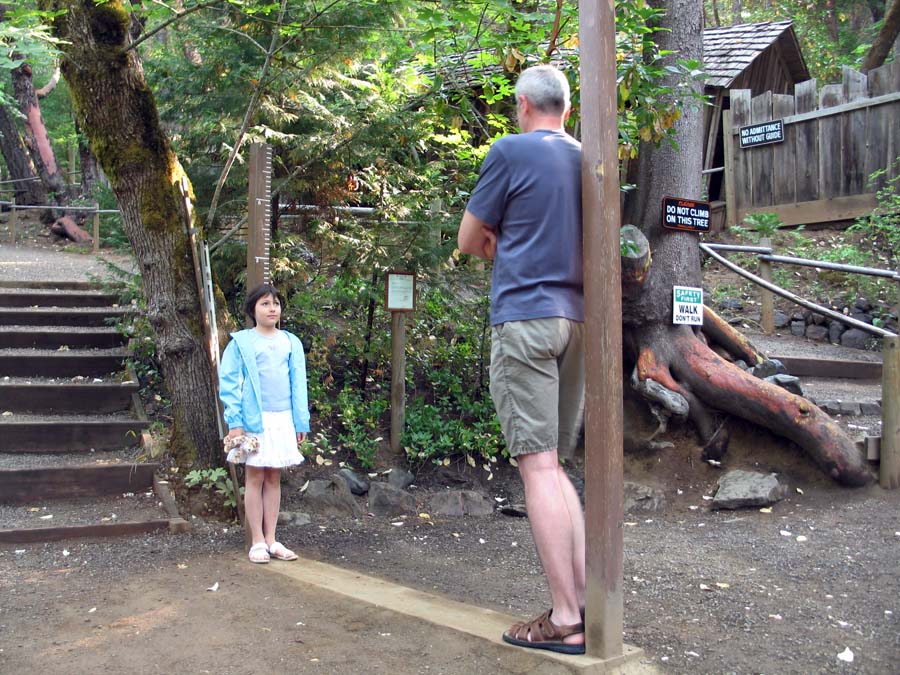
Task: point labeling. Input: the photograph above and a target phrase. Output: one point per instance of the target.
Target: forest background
(390, 105)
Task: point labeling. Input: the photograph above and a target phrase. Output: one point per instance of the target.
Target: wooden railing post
(889, 468)
(96, 246)
(13, 220)
(398, 380)
(766, 296)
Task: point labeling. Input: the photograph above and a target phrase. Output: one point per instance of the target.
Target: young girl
(262, 384)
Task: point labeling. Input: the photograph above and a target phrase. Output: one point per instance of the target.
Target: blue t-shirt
(272, 354)
(529, 190)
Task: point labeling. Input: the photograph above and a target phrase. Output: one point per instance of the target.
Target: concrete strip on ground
(476, 622)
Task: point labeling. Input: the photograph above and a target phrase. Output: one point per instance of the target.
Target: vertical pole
(13, 220)
(398, 378)
(72, 171)
(731, 204)
(96, 243)
(603, 331)
(258, 210)
(767, 297)
(889, 468)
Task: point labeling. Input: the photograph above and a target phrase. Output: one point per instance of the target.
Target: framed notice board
(400, 292)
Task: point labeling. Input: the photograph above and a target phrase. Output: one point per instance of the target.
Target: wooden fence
(834, 139)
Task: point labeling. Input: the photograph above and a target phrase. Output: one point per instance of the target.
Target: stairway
(71, 421)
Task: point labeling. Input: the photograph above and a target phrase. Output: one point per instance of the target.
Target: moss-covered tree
(117, 112)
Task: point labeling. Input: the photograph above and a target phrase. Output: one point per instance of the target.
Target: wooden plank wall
(835, 138)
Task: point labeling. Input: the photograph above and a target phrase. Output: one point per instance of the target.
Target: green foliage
(882, 226)
(216, 481)
(360, 424)
(764, 224)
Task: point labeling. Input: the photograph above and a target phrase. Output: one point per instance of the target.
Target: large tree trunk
(116, 111)
(28, 186)
(890, 29)
(674, 367)
(37, 140)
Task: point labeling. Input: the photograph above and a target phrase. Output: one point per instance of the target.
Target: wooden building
(755, 56)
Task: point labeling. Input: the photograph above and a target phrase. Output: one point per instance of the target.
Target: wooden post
(603, 472)
(258, 215)
(96, 247)
(767, 297)
(73, 147)
(398, 379)
(889, 468)
(731, 216)
(13, 220)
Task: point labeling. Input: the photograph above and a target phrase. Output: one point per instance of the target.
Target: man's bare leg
(554, 530)
(576, 514)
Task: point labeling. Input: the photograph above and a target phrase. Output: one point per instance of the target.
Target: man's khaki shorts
(537, 384)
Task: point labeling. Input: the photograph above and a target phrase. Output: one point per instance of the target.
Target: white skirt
(277, 442)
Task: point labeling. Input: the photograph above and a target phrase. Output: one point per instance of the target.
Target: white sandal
(259, 559)
(281, 552)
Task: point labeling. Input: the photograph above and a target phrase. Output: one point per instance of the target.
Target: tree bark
(36, 138)
(884, 42)
(675, 368)
(736, 10)
(116, 110)
(28, 186)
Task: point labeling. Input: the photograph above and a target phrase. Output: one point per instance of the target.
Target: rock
(740, 363)
(460, 503)
(849, 408)
(768, 368)
(816, 333)
(293, 518)
(387, 500)
(514, 510)
(731, 304)
(357, 484)
(781, 319)
(400, 478)
(642, 498)
(331, 498)
(870, 408)
(862, 305)
(789, 382)
(817, 319)
(856, 339)
(798, 328)
(738, 489)
(835, 330)
(830, 407)
(863, 317)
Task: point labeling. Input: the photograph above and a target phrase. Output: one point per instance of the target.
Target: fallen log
(66, 227)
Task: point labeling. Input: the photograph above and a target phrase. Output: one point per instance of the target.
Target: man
(525, 215)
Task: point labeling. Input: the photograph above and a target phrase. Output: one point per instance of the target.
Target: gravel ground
(142, 506)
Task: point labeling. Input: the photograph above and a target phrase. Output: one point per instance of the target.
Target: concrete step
(65, 434)
(37, 485)
(53, 337)
(20, 396)
(44, 363)
(61, 316)
(41, 297)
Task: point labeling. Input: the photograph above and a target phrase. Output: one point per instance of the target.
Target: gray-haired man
(525, 215)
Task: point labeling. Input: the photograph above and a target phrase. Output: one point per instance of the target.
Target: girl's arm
(299, 396)
(230, 383)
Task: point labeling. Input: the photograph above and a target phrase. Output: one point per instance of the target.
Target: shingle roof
(729, 50)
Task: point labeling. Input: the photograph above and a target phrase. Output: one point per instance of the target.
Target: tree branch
(165, 24)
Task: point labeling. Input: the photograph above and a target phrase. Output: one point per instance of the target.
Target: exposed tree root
(679, 361)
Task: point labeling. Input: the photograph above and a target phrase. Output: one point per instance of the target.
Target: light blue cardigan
(243, 404)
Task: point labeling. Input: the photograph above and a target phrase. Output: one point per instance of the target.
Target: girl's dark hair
(255, 294)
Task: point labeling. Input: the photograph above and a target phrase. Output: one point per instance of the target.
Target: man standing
(525, 215)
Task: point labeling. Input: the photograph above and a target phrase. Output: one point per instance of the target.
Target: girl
(262, 384)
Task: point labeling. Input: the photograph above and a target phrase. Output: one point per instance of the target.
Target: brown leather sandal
(541, 633)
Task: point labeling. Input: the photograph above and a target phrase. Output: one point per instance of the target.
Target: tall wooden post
(889, 467)
(398, 379)
(259, 215)
(96, 242)
(766, 296)
(603, 331)
(73, 173)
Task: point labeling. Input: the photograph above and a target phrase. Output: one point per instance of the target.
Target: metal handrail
(796, 299)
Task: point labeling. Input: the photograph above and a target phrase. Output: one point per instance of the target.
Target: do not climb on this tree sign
(688, 215)
(687, 305)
